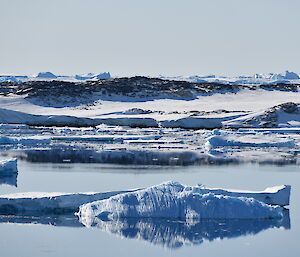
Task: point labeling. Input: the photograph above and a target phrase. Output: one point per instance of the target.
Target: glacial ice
(173, 200)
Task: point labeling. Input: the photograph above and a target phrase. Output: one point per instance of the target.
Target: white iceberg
(166, 200)
(46, 75)
(8, 167)
(176, 201)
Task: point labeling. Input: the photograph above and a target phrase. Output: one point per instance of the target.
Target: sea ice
(240, 140)
(24, 141)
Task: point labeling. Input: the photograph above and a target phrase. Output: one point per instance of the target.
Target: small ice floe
(248, 141)
(176, 201)
(8, 167)
(33, 140)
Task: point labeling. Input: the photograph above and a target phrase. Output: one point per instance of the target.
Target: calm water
(150, 237)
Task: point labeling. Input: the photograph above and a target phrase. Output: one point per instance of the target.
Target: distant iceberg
(89, 76)
(8, 172)
(46, 75)
(8, 167)
(176, 201)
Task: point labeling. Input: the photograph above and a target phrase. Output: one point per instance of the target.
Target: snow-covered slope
(283, 115)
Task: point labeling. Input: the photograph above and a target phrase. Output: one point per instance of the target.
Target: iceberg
(174, 234)
(173, 200)
(34, 203)
(8, 167)
(46, 75)
(167, 233)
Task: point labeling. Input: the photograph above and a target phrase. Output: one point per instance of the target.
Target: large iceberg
(176, 201)
(171, 200)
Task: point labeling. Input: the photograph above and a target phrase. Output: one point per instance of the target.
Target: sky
(139, 37)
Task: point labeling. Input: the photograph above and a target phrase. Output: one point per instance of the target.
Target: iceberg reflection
(175, 233)
(171, 234)
(9, 179)
(53, 220)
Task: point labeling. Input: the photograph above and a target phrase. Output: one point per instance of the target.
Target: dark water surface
(66, 236)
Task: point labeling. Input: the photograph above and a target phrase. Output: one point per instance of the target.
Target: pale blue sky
(131, 37)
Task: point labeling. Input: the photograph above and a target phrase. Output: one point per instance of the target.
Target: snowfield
(142, 120)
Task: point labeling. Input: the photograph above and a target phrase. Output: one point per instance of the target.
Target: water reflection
(54, 220)
(9, 179)
(171, 234)
(175, 234)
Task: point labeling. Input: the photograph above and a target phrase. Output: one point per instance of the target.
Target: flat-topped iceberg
(176, 201)
(8, 167)
(37, 203)
(171, 200)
